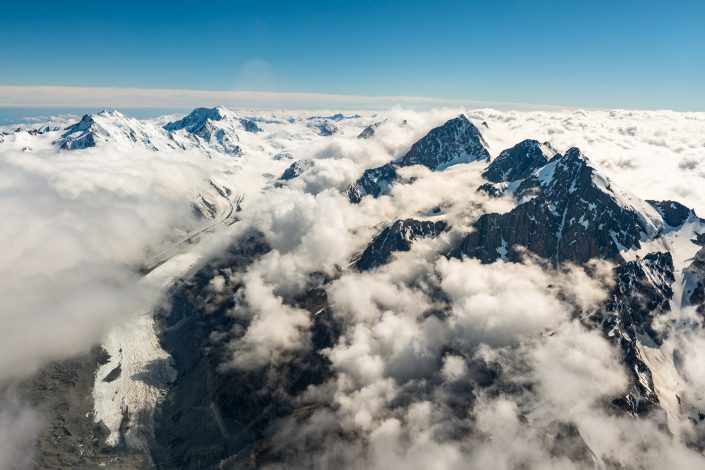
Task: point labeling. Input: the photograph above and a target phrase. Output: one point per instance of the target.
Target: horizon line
(59, 96)
(77, 97)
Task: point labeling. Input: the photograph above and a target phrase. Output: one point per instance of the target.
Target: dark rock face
(493, 189)
(197, 120)
(456, 141)
(519, 162)
(283, 156)
(324, 128)
(189, 428)
(80, 135)
(696, 272)
(397, 237)
(250, 126)
(369, 131)
(215, 417)
(642, 291)
(374, 181)
(295, 169)
(673, 213)
(572, 215)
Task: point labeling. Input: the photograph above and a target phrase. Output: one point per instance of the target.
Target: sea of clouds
(420, 335)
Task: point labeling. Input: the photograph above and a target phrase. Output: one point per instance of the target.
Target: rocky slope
(397, 237)
(457, 141)
(567, 212)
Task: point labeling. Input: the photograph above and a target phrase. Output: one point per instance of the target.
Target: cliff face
(397, 237)
(457, 141)
(566, 212)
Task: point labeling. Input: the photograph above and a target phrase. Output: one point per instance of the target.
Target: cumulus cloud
(497, 305)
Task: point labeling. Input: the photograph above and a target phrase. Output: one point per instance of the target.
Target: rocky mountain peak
(296, 169)
(397, 237)
(370, 130)
(457, 141)
(673, 213)
(567, 211)
(197, 119)
(519, 162)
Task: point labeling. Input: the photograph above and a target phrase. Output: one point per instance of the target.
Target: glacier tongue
(130, 385)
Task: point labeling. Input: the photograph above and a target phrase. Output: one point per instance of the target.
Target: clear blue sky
(635, 54)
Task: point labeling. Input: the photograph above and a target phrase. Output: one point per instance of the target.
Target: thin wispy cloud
(107, 97)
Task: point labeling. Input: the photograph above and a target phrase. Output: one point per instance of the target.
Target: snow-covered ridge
(113, 127)
(210, 129)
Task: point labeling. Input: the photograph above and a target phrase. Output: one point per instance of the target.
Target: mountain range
(562, 212)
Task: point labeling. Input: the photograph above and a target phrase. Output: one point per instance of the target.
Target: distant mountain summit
(209, 127)
(457, 141)
(296, 169)
(370, 130)
(115, 128)
(212, 129)
(324, 128)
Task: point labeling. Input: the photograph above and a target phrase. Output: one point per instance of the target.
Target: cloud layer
(440, 363)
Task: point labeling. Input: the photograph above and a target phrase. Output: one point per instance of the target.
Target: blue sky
(629, 54)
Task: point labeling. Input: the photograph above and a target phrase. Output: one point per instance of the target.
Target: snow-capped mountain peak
(199, 118)
(208, 127)
(566, 211)
(112, 127)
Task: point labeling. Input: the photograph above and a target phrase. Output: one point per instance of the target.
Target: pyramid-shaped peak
(88, 120)
(520, 161)
(199, 117)
(456, 141)
(574, 153)
(112, 127)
